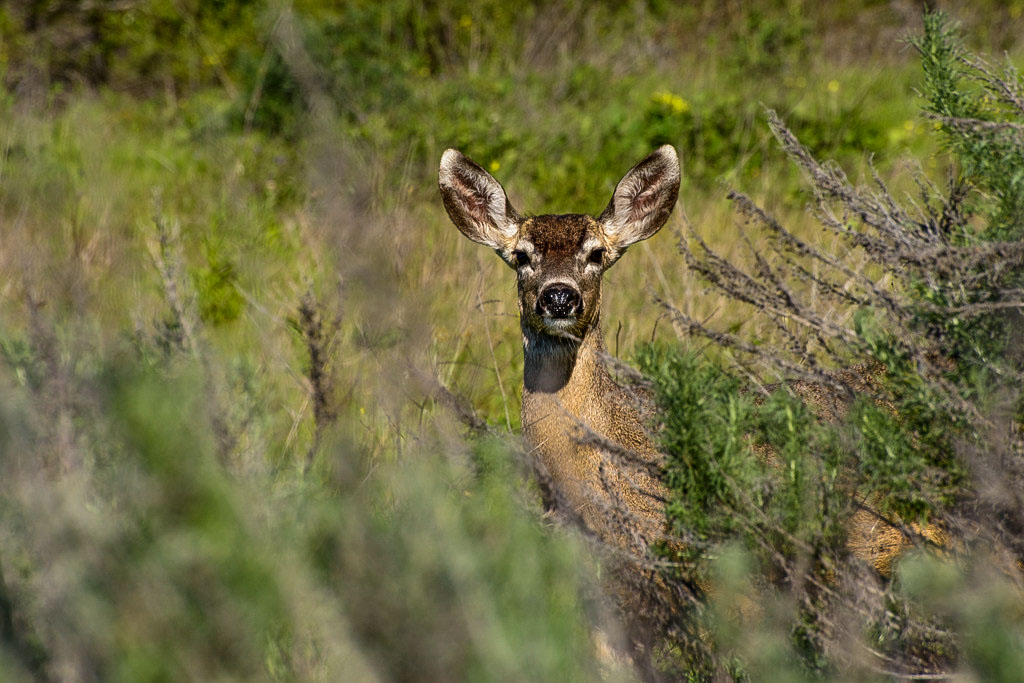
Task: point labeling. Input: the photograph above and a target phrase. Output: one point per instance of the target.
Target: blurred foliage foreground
(228, 453)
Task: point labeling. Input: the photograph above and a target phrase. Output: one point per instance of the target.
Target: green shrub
(916, 393)
(139, 553)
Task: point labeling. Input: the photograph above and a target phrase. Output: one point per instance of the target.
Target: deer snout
(559, 301)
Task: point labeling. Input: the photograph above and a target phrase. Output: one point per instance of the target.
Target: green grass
(156, 420)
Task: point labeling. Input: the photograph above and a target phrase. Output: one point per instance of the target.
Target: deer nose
(559, 301)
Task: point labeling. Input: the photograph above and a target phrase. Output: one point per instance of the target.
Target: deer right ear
(476, 202)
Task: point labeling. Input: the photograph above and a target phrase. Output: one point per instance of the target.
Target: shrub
(906, 346)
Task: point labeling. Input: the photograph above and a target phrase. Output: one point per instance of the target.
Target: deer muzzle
(559, 301)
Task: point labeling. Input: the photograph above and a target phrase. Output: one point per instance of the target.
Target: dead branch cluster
(806, 292)
(888, 252)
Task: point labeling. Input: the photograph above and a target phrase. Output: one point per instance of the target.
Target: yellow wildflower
(674, 102)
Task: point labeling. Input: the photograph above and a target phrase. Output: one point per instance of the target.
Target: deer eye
(521, 258)
(596, 256)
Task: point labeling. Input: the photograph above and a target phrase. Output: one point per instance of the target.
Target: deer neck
(568, 368)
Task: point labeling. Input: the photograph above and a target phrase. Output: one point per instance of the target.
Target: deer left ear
(643, 199)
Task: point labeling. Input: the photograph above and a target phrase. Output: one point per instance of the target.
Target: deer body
(621, 505)
(595, 459)
(570, 402)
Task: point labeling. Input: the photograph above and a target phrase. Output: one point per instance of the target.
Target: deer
(568, 393)
(573, 412)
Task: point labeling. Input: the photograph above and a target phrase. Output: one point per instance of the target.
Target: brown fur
(574, 415)
(570, 402)
(568, 392)
(870, 536)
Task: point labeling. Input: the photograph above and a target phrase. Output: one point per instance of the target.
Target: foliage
(240, 346)
(387, 69)
(915, 400)
(137, 552)
(709, 425)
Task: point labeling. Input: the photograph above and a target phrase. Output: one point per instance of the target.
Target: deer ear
(643, 199)
(476, 202)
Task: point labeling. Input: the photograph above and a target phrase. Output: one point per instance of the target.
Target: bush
(911, 363)
(136, 547)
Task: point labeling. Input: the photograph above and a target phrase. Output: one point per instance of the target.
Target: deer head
(559, 260)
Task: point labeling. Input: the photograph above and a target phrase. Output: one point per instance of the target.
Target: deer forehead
(560, 236)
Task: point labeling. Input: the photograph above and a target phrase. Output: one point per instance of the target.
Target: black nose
(559, 301)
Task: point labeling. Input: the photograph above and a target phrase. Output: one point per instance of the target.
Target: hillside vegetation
(259, 399)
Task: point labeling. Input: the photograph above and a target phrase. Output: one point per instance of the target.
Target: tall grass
(240, 344)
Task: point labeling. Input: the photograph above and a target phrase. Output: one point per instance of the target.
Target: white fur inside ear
(643, 198)
(634, 199)
(475, 201)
